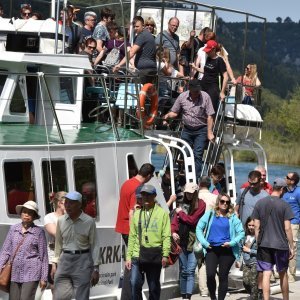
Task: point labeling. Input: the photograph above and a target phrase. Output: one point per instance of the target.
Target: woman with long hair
(250, 81)
(183, 228)
(50, 222)
(220, 232)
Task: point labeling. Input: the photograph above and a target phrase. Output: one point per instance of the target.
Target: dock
(275, 293)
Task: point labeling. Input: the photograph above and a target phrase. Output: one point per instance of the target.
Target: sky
(270, 9)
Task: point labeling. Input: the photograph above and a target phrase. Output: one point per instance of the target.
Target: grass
(278, 150)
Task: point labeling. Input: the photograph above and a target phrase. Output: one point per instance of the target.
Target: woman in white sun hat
(26, 245)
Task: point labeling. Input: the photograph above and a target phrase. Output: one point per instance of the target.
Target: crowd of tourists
(257, 232)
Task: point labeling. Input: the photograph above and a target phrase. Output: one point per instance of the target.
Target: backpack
(113, 57)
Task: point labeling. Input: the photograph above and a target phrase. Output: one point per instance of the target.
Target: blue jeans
(138, 277)
(197, 139)
(187, 264)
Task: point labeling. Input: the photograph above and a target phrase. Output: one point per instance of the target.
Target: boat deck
(25, 134)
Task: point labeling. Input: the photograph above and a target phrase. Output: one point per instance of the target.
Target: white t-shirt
(202, 55)
(50, 218)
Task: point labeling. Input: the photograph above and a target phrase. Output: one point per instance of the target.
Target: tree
(279, 20)
(288, 20)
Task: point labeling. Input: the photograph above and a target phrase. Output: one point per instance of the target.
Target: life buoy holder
(149, 90)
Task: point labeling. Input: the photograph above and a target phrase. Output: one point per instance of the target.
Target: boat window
(2, 80)
(67, 90)
(202, 18)
(57, 174)
(85, 183)
(20, 186)
(17, 104)
(131, 165)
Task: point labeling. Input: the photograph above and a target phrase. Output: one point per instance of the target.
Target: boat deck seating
(131, 93)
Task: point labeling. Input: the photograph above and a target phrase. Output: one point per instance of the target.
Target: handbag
(148, 255)
(5, 274)
(5, 277)
(174, 253)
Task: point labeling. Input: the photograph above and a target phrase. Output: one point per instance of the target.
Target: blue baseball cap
(149, 189)
(138, 191)
(75, 196)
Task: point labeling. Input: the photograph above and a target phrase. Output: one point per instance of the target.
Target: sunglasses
(253, 183)
(149, 25)
(247, 68)
(26, 14)
(224, 202)
(91, 47)
(288, 178)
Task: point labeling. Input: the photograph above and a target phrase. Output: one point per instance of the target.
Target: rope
(115, 134)
(41, 75)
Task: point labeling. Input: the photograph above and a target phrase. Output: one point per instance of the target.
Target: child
(249, 251)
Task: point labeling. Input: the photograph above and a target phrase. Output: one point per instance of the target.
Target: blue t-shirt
(219, 231)
(292, 197)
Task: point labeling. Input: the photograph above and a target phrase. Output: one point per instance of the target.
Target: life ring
(148, 90)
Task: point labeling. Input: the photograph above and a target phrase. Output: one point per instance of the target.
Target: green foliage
(283, 119)
(281, 129)
(280, 69)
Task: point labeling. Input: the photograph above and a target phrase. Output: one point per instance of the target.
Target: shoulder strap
(120, 45)
(176, 48)
(206, 227)
(18, 247)
(242, 201)
(140, 227)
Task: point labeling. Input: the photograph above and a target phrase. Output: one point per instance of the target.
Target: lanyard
(147, 224)
(148, 221)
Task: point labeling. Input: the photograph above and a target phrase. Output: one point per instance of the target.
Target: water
(274, 170)
(242, 169)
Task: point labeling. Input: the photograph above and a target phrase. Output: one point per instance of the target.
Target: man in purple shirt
(197, 117)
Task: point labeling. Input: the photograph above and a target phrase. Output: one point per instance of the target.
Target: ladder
(214, 149)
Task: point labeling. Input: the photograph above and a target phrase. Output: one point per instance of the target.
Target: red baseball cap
(210, 45)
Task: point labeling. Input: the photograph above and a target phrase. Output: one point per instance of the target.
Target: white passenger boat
(58, 151)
